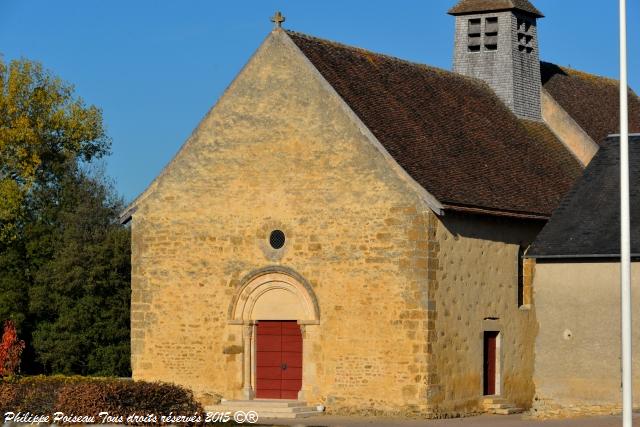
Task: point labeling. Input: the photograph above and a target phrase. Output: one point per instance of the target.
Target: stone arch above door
(274, 293)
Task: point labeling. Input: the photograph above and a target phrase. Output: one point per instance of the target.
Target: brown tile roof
(592, 101)
(451, 133)
(472, 6)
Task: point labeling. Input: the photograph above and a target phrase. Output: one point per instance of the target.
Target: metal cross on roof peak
(277, 19)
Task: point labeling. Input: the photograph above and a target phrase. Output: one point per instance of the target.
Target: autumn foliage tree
(10, 350)
(43, 128)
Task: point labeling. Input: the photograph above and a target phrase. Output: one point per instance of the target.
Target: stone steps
(267, 408)
(493, 399)
(262, 403)
(499, 406)
(508, 411)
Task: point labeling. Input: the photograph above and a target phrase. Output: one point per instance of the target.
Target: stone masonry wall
(475, 289)
(279, 152)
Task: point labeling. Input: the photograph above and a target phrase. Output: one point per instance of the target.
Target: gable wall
(278, 152)
(475, 281)
(565, 128)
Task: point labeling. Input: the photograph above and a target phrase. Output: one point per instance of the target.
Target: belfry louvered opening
(525, 36)
(491, 33)
(475, 35)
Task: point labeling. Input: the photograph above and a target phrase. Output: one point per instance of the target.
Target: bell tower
(497, 41)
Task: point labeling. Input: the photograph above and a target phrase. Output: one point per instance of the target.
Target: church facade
(347, 228)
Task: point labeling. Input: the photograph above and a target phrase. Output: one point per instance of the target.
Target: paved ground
(480, 421)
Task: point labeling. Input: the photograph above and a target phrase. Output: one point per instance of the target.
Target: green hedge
(86, 396)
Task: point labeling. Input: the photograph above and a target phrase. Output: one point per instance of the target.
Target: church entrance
(278, 359)
(276, 309)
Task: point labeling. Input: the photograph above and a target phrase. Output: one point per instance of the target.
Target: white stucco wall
(577, 351)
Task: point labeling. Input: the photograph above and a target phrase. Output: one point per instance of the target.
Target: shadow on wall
(520, 232)
(549, 70)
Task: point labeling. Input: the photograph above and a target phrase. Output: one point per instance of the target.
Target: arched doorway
(273, 305)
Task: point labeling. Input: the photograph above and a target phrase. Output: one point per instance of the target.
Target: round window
(276, 239)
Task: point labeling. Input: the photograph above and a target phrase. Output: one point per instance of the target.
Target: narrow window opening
(523, 25)
(474, 33)
(521, 278)
(474, 27)
(491, 26)
(491, 34)
(525, 36)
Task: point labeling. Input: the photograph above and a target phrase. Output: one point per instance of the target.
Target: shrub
(126, 398)
(89, 396)
(31, 394)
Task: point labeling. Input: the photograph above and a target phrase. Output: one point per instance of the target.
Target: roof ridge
(478, 6)
(608, 80)
(387, 56)
(364, 50)
(584, 73)
(431, 67)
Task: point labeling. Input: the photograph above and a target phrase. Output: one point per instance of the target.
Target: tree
(64, 259)
(80, 295)
(43, 128)
(10, 350)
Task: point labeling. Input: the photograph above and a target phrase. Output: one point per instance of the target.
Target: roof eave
(127, 214)
(495, 212)
(579, 256)
(454, 12)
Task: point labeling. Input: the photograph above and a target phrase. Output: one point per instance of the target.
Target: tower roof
(464, 7)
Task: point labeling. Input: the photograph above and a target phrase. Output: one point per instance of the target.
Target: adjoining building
(347, 228)
(577, 291)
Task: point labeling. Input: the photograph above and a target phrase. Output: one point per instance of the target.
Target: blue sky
(156, 67)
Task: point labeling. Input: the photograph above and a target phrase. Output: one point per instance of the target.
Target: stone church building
(347, 228)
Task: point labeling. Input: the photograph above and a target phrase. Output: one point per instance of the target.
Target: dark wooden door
(490, 362)
(278, 360)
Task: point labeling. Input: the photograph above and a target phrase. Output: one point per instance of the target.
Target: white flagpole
(625, 227)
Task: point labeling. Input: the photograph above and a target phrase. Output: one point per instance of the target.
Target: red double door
(278, 360)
